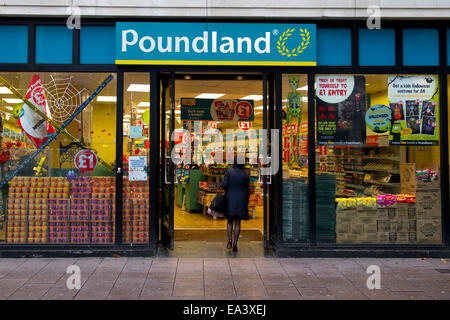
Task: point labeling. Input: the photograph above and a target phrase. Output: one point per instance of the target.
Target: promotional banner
(34, 126)
(198, 43)
(216, 110)
(414, 104)
(340, 110)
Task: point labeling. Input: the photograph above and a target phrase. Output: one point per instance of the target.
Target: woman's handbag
(219, 203)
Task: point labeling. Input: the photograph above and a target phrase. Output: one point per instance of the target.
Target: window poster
(340, 110)
(414, 103)
(217, 110)
(137, 168)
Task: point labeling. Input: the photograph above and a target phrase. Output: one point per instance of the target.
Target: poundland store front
(115, 136)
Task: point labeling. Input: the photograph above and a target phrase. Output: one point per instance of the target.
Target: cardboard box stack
(396, 223)
(135, 211)
(385, 219)
(428, 199)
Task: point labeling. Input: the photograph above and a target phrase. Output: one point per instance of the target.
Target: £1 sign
(85, 160)
(245, 125)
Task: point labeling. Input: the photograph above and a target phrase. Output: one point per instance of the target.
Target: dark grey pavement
(228, 278)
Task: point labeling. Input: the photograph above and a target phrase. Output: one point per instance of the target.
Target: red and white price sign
(244, 110)
(245, 125)
(85, 160)
(213, 125)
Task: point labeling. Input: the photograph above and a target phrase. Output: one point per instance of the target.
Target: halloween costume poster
(414, 102)
(340, 110)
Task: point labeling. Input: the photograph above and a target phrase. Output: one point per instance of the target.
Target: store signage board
(217, 109)
(220, 44)
(414, 103)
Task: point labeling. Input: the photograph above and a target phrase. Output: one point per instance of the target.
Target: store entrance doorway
(205, 118)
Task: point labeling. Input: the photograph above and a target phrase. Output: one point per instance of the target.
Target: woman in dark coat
(236, 185)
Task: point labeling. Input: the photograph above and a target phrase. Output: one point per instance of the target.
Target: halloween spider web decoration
(63, 98)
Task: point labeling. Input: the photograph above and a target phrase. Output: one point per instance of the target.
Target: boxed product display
(135, 211)
(59, 210)
(429, 230)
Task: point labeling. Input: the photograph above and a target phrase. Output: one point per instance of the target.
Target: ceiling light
(259, 108)
(141, 110)
(106, 99)
(253, 97)
(144, 104)
(239, 77)
(177, 111)
(5, 90)
(11, 100)
(209, 95)
(304, 88)
(139, 87)
(187, 77)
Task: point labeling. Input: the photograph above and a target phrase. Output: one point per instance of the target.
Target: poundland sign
(256, 44)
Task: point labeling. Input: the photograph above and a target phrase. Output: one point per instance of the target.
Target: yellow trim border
(218, 63)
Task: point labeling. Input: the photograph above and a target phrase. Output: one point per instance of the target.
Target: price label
(244, 110)
(213, 125)
(245, 125)
(85, 160)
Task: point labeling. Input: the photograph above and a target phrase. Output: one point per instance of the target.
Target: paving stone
(316, 294)
(188, 291)
(30, 292)
(9, 286)
(55, 293)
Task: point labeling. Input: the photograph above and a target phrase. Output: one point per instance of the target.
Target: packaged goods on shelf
(79, 232)
(135, 211)
(59, 232)
(58, 210)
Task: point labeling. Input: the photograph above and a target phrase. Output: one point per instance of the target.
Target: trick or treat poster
(414, 102)
(340, 110)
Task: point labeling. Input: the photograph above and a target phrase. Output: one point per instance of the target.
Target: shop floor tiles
(228, 277)
(186, 220)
